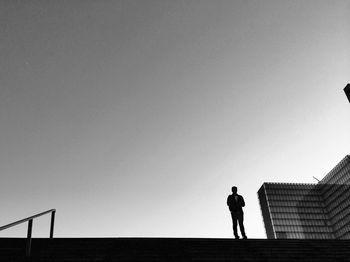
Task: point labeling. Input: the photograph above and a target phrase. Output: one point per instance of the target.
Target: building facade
(310, 211)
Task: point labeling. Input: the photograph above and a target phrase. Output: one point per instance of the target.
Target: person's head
(234, 190)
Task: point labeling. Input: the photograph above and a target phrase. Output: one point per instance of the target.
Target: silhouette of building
(309, 211)
(347, 91)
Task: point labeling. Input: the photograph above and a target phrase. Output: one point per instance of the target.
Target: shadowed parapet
(176, 249)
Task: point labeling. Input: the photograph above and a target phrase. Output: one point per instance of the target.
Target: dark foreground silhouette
(236, 203)
(175, 249)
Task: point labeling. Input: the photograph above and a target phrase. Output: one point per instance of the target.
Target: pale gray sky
(135, 118)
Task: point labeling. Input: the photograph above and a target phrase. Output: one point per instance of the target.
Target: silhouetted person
(235, 203)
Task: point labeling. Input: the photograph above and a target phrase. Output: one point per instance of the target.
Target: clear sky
(135, 118)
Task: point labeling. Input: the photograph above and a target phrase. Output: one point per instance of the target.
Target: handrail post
(52, 223)
(29, 237)
(30, 227)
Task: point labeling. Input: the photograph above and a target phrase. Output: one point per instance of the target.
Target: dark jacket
(233, 205)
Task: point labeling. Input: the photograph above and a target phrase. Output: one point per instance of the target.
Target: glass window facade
(334, 188)
(310, 211)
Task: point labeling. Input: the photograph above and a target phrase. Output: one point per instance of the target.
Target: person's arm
(242, 201)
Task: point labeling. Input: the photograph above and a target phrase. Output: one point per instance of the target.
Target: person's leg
(241, 226)
(234, 223)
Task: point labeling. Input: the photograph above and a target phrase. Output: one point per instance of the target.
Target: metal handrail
(30, 227)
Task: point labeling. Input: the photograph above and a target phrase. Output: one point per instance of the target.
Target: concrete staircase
(174, 249)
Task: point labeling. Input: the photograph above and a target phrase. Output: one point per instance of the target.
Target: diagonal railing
(30, 227)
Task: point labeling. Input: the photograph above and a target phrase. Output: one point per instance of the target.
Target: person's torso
(235, 203)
